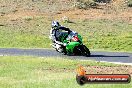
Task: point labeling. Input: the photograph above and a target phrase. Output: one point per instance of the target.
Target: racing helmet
(55, 24)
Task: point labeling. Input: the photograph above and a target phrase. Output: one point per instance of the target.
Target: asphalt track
(116, 57)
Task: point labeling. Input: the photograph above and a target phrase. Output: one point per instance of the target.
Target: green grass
(25, 33)
(33, 32)
(45, 72)
(105, 34)
(130, 3)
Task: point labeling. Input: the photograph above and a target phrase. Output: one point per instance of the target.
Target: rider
(56, 32)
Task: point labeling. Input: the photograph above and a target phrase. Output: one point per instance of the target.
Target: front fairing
(71, 44)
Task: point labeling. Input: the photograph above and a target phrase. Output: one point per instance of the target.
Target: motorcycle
(71, 45)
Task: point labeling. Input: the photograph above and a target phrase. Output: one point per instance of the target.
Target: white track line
(110, 62)
(3, 55)
(117, 63)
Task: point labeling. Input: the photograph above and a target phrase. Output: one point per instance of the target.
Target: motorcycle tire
(86, 51)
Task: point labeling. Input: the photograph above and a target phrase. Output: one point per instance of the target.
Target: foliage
(129, 3)
(46, 72)
(85, 4)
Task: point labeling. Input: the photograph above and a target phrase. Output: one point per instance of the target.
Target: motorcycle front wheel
(82, 50)
(86, 51)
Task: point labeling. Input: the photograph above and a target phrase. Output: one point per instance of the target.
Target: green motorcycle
(73, 44)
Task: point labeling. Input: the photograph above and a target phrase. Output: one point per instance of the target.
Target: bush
(65, 19)
(130, 3)
(85, 4)
(28, 18)
(102, 1)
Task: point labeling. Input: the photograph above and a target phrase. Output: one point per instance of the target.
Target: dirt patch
(51, 9)
(20, 14)
(75, 14)
(109, 70)
(96, 14)
(125, 69)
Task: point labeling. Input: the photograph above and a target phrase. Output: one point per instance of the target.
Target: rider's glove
(74, 32)
(64, 44)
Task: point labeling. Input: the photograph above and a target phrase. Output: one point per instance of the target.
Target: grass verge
(33, 32)
(45, 72)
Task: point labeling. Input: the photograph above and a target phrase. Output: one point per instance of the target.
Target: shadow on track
(106, 56)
